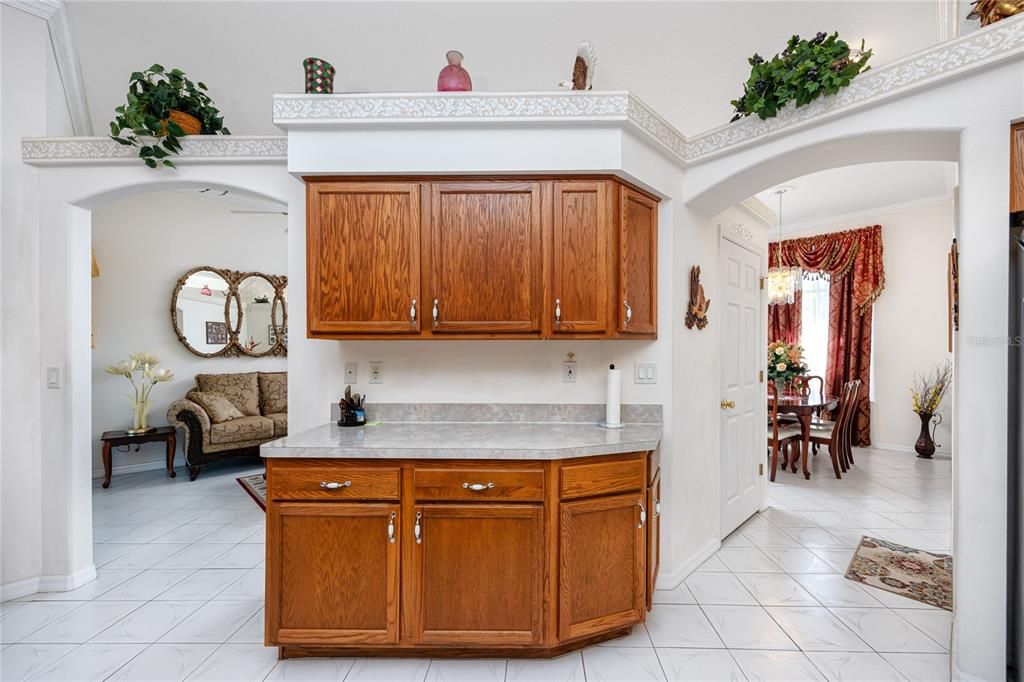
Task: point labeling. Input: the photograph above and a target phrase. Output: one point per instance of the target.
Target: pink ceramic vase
(454, 78)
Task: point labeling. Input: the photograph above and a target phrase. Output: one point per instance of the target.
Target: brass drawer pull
(477, 486)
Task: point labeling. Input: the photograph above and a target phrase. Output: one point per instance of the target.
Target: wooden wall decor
(697, 312)
(953, 291)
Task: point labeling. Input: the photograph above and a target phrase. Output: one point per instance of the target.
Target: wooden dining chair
(780, 434)
(836, 434)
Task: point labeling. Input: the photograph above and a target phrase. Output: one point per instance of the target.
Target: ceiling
(833, 193)
(686, 59)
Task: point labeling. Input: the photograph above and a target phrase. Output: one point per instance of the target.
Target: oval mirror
(197, 311)
(279, 316)
(257, 297)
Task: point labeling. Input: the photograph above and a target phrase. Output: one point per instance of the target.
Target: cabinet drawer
(516, 485)
(318, 481)
(601, 478)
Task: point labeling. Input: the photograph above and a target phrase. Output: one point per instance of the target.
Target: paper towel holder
(605, 424)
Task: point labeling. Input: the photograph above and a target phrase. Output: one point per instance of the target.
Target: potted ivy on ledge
(162, 107)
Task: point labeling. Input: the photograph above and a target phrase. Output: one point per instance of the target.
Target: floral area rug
(256, 486)
(912, 573)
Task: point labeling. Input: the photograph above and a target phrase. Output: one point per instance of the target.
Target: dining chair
(836, 434)
(780, 434)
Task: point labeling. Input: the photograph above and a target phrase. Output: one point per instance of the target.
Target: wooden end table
(113, 439)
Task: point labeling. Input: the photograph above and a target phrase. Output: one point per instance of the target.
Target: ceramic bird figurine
(991, 11)
(697, 313)
(583, 68)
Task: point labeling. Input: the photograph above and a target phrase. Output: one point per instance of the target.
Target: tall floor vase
(925, 445)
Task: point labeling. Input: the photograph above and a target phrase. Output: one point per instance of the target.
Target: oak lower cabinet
(478, 574)
(653, 535)
(602, 565)
(334, 575)
(467, 557)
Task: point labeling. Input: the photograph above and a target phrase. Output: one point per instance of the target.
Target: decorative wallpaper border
(195, 149)
(996, 43)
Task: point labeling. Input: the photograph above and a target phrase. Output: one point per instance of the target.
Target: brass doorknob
(728, 404)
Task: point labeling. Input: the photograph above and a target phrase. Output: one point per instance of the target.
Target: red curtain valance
(838, 254)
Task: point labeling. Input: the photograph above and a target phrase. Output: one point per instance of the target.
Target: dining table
(804, 407)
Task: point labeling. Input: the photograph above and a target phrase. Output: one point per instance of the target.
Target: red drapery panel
(784, 321)
(853, 261)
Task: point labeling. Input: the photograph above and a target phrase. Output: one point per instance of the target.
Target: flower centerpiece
(927, 394)
(785, 363)
(146, 365)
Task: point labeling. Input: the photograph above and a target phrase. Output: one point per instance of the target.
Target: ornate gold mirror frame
(235, 346)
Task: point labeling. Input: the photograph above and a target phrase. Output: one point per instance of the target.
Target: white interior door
(742, 413)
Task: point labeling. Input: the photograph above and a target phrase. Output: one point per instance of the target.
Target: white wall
(27, 107)
(909, 316)
(144, 244)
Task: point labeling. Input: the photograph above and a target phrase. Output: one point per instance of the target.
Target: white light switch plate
(351, 373)
(376, 371)
(53, 377)
(645, 372)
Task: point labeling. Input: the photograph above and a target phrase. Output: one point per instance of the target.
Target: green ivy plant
(804, 71)
(152, 95)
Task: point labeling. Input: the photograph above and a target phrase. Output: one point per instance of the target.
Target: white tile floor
(180, 589)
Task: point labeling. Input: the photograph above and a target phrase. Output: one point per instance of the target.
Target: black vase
(925, 445)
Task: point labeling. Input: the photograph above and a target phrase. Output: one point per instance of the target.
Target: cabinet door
(363, 257)
(601, 558)
(653, 536)
(477, 574)
(580, 257)
(332, 573)
(485, 251)
(1017, 168)
(638, 263)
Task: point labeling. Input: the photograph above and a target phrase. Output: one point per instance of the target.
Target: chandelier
(783, 281)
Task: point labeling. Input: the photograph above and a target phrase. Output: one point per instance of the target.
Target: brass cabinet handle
(629, 313)
(643, 514)
(417, 530)
(412, 313)
(391, 528)
(728, 404)
(435, 313)
(334, 485)
(478, 486)
(558, 312)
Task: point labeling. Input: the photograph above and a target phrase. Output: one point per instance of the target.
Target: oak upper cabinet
(581, 254)
(601, 564)
(485, 257)
(332, 573)
(638, 263)
(477, 574)
(363, 258)
(1017, 167)
(653, 535)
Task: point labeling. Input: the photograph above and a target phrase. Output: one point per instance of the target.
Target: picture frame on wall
(216, 333)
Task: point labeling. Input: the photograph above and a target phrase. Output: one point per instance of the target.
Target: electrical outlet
(569, 372)
(376, 371)
(645, 372)
(351, 373)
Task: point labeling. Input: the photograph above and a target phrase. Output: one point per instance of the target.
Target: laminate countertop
(464, 440)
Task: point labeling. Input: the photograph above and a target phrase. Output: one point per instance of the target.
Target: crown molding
(995, 43)
(860, 217)
(44, 9)
(73, 151)
(339, 111)
(760, 211)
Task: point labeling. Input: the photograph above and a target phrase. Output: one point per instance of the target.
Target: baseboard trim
(669, 580)
(47, 583)
(893, 447)
(131, 468)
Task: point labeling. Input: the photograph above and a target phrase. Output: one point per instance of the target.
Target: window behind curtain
(814, 319)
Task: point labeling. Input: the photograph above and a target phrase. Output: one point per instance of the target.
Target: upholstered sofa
(230, 415)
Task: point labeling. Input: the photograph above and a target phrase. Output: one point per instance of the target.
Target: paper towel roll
(613, 406)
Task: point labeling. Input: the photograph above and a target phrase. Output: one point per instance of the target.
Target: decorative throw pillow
(241, 389)
(273, 392)
(216, 405)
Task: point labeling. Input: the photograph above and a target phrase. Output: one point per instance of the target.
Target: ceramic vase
(925, 445)
(141, 422)
(454, 78)
(319, 76)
